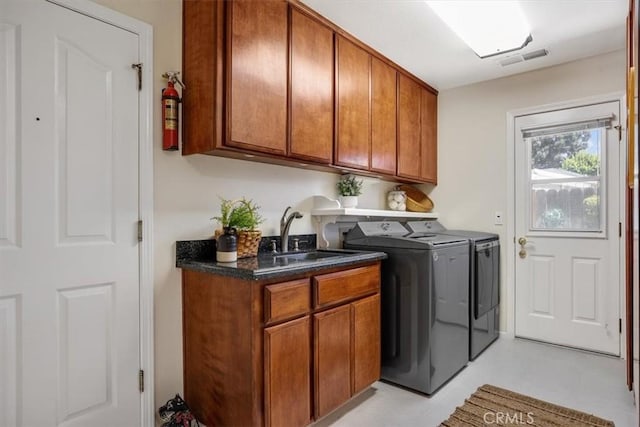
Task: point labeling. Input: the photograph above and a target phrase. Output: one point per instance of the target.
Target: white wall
(472, 159)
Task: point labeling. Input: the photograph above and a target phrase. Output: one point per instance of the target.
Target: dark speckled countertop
(199, 255)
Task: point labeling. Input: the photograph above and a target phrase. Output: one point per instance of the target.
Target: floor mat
(495, 406)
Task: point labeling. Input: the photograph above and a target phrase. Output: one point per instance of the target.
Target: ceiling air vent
(514, 59)
(535, 54)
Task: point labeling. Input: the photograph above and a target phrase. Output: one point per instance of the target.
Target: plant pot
(248, 243)
(348, 201)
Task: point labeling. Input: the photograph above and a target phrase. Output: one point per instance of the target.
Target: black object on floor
(176, 413)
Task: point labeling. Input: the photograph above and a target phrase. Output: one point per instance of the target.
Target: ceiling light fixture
(489, 27)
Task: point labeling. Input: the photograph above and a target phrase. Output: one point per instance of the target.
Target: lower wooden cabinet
(332, 357)
(287, 380)
(279, 353)
(365, 324)
(346, 352)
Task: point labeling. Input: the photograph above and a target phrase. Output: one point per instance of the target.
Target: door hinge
(619, 129)
(619, 229)
(620, 325)
(138, 67)
(141, 380)
(139, 230)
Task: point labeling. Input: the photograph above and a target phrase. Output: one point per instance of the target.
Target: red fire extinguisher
(170, 101)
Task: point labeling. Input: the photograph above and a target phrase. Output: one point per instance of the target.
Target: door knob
(522, 242)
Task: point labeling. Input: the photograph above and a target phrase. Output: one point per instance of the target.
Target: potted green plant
(241, 217)
(349, 188)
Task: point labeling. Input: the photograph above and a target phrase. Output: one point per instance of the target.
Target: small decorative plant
(240, 214)
(243, 216)
(349, 185)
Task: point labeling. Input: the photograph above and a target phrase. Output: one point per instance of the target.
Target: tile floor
(578, 380)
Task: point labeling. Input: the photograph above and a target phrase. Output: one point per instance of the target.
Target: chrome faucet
(285, 223)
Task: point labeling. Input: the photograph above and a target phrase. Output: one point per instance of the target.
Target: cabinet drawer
(345, 285)
(285, 300)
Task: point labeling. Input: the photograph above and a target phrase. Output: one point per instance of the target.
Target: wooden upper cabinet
(429, 136)
(409, 132)
(274, 81)
(311, 89)
(352, 105)
(383, 117)
(202, 63)
(257, 79)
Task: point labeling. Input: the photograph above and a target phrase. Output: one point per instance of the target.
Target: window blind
(597, 123)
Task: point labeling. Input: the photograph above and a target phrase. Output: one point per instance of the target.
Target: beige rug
(495, 406)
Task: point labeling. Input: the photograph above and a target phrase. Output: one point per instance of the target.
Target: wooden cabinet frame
(207, 59)
(235, 344)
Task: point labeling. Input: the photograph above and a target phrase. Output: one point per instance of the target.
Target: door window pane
(566, 155)
(566, 206)
(566, 179)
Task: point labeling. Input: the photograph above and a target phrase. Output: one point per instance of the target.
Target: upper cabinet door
(258, 76)
(352, 104)
(383, 117)
(429, 136)
(311, 89)
(409, 138)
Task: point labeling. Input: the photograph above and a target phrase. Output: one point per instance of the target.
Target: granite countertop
(199, 255)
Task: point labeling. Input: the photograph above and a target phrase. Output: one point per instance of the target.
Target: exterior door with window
(567, 227)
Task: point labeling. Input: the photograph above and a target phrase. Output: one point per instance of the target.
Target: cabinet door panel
(287, 382)
(383, 117)
(366, 342)
(258, 75)
(332, 341)
(311, 89)
(429, 136)
(352, 104)
(409, 145)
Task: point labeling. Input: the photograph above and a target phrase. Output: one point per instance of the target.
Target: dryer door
(487, 277)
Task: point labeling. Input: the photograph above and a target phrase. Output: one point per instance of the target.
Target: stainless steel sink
(309, 256)
(290, 259)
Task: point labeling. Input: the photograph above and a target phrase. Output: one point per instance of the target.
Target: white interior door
(567, 218)
(69, 287)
